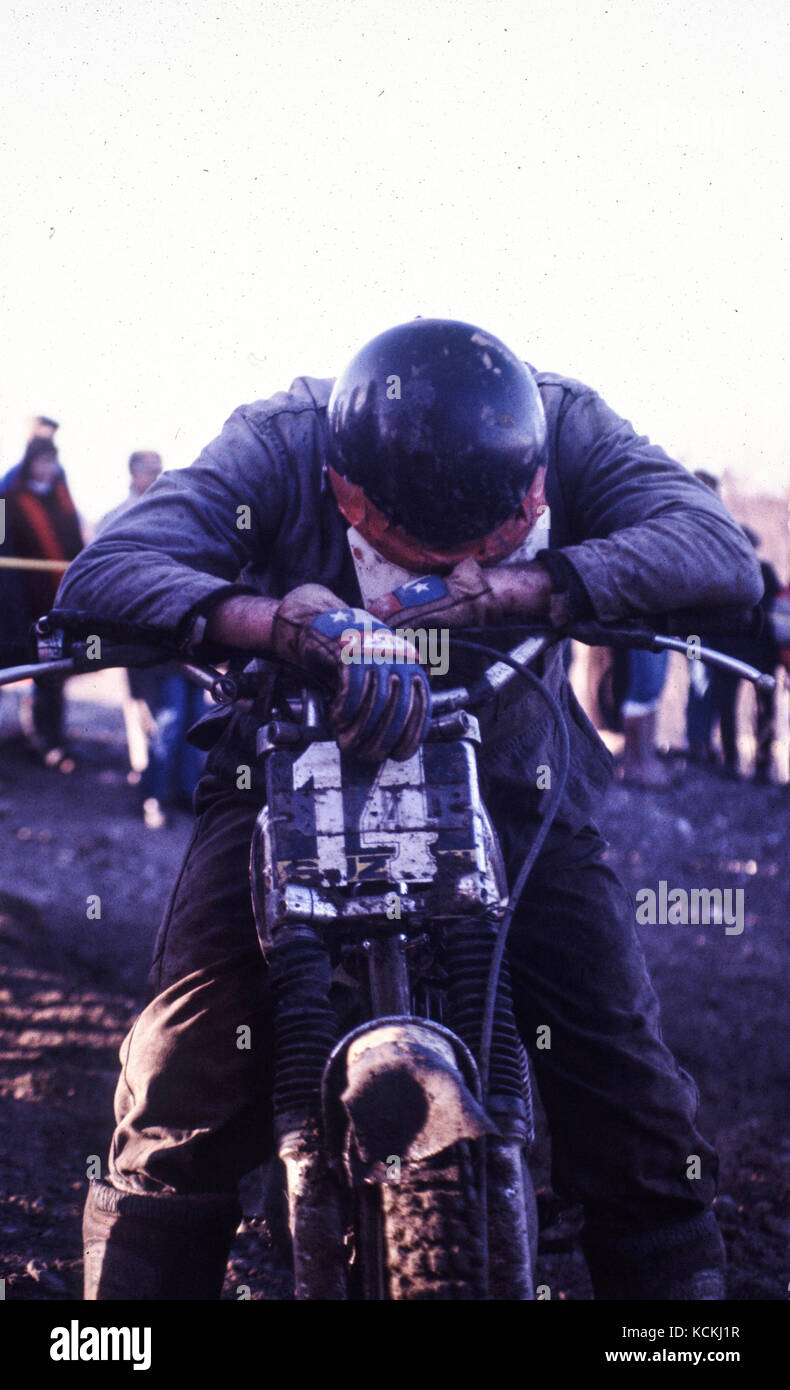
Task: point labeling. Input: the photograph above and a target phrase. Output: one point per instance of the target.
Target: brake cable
(528, 862)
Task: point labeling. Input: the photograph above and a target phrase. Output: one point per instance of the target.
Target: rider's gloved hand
(382, 701)
(463, 598)
(470, 596)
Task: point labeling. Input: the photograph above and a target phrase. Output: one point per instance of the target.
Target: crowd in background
(43, 533)
(635, 684)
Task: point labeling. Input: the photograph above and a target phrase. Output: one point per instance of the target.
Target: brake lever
(599, 634)
(760, 679)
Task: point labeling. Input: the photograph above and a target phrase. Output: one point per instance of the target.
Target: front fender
(403, 1088)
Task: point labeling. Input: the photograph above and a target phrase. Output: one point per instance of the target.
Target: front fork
(510, 1196)
(305, 1033)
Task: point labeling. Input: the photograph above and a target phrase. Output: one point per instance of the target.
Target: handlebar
(595, 634)
(535, 640)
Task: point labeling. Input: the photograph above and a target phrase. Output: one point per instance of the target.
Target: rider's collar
(378, 575)
(417, 557)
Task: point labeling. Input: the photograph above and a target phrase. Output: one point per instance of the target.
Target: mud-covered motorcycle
(402, 1094)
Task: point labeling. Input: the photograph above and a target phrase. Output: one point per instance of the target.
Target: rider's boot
(684, 1261)
(156, 1247)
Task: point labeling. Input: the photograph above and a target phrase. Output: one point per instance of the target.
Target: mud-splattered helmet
(436, 439)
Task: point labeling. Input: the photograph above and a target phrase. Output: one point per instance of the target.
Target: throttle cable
(528, 862)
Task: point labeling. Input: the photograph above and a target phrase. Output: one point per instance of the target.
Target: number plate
(333, 821)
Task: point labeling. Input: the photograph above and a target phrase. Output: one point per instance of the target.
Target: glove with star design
(464, 598)
(474, 597)
(382, 699)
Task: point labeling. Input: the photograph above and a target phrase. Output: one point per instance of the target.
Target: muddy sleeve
(651, 537)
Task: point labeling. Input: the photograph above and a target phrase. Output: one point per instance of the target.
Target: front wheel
(431, 1241)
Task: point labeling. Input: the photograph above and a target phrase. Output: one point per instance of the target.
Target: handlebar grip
(711, 622)
(78, 625)
(684, 623)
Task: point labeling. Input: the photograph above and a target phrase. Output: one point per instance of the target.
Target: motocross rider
(514, 494)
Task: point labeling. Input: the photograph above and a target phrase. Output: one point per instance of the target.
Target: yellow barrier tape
(9, 563)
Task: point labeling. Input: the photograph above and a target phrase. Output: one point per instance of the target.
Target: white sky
(203, 200)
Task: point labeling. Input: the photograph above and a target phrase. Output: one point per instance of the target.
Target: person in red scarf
(41, 524)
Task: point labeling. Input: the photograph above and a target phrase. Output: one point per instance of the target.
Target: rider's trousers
(193, 1109)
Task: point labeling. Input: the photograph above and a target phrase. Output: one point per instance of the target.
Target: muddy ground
(70, 982)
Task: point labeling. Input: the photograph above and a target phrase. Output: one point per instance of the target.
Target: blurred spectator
(174, 766)
(144, 467)
(780, 625)
(161, 705)
(702, 712)
(639, 717)
(762, 652)
(41, 525)
(42, 427)
(702, 707)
